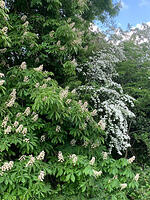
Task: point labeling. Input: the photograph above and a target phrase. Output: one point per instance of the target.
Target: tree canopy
(66, 112)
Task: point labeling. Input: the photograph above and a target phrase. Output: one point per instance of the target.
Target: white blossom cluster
(60, 157)
(19, 129)
(43, 138)
(51, 34)
(23, 18)
(2, 81)
(35, 117)
(73, 142)
(2, 4)
(105, 155)
(44, 86)
(12, 100)
(23, 65)
(27, 111)
(4, 30)
(85, 144)
(130, 160)
(25, 25)
(73, 91)
(18, 115)
(95, 145)
(83, 106)
(1, 75)
(26, 79)
(58, 128)
(31, 161)
(68, 101)
(107, 97)
(39, 69)
(102, 124)
(27, 140)
(74, 158)
(5, 120)
(23, 157)
(48, 79)
(37, 85)
(78, 39)
(7, 166)
(136, 178)
(94, 112)
(16, 123)
(92, 161)
(123, 186)
(24, 131)
(63, 93)
(41, 176)
(7, 130)
(41, 156)
(3, 50)
(97, 173)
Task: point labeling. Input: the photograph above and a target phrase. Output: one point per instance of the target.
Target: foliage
(107, 96)
(143, 191)
(134, 77)
(53, 142)
(63, 33)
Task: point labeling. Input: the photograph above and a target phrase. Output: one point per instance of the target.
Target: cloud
(124, 5)
(144, 3)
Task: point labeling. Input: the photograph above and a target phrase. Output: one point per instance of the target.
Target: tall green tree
(134, 77)
(61, 32)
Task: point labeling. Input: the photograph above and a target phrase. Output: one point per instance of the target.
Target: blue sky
(133, 12)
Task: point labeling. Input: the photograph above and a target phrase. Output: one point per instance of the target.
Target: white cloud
(144, 3)
(124, 5)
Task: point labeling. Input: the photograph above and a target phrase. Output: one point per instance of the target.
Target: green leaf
(73, 178)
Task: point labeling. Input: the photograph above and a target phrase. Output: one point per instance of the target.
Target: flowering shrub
(109, 179)
(107, 96)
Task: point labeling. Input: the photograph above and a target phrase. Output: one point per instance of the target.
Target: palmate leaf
(52, 104)
(36, 2)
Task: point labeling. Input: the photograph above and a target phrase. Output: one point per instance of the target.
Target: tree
(134, 77)
(51, 145)
(107, 96)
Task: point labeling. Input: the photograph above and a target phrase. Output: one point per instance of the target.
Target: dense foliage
(65, 119)
(107, 96)
(134, 77)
